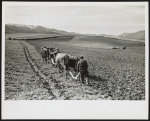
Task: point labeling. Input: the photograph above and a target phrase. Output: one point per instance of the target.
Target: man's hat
(81, 57)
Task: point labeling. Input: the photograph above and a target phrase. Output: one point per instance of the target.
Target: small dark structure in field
(124, 47)
(14, 38)
(9, 38)
(115, 48)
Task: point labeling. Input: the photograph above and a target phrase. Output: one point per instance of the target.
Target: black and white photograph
(75, 51)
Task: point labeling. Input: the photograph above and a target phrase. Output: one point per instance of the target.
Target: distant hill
(140, 35)
(15, 28)
(106, 35)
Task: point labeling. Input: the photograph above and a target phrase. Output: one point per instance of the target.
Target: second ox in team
(62, 60)
(46, 53)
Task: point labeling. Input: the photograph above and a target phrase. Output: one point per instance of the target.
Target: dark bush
(115, 48)
(9, 38)
(124, 47)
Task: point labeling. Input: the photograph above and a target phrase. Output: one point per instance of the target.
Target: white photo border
(76, 109)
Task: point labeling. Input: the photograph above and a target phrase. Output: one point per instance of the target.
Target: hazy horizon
(84, 19)
(70, 31)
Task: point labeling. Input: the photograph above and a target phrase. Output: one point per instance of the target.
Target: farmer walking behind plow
(82, 68)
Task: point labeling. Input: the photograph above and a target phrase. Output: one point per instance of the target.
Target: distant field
(99, 42)
(106, 42)
(136, 40)
(111, 41)
(28, 35)
(81, 40)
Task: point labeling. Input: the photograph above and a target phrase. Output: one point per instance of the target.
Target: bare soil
(28, 78)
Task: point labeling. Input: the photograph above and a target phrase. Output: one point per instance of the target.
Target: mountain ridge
(20, 28)
(140, 35)
(15, 28)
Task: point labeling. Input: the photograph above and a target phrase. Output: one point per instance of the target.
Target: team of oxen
(61, 60)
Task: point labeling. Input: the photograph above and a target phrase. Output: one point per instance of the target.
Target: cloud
(88, 19)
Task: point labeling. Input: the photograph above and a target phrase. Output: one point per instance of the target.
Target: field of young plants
(115, 74)
(28, 78)
(118, 73)
(21, 83)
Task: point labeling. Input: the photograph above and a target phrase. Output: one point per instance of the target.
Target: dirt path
(55, 83)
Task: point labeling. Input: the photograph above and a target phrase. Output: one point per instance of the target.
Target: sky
(80, 18)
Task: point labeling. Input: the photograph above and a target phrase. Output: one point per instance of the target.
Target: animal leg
(75, 69)
(53, 63)
(65, 70)
(59, 67)
(45, 60)
(86, 81)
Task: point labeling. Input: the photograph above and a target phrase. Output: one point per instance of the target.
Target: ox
(51, 55)
(45, 54)
(73, 61)
(65, 62)
(62, 60)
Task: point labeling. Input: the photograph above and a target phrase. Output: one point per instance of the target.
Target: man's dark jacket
(82, 65)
